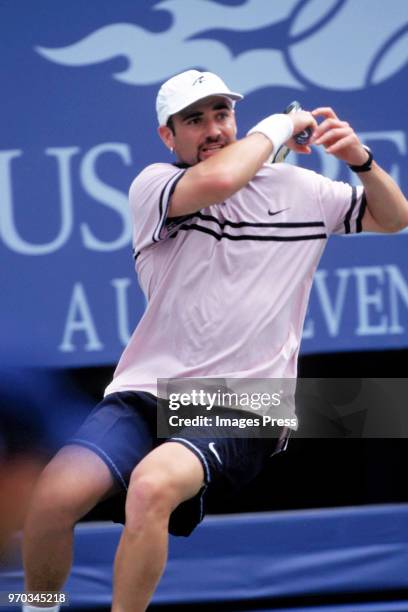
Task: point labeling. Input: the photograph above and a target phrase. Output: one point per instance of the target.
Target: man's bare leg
(166, 477)
(71, 485)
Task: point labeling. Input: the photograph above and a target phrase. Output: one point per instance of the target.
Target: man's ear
(235, 121)
(166, 135)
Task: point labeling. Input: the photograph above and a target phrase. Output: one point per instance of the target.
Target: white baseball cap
(186, 88)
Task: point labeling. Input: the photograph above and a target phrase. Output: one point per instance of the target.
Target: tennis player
(225, 246)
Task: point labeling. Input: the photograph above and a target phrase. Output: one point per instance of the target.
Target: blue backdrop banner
(77, 123)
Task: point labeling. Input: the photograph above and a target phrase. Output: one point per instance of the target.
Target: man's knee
(150, 497)
(166, 477)
(52, 504)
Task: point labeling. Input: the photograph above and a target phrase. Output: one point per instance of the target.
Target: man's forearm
(234, 166)
(386, 203)
(219, 177)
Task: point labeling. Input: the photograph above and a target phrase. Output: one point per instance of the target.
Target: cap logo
(200, 79)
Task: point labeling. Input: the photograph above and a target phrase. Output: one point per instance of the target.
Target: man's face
(201, 130)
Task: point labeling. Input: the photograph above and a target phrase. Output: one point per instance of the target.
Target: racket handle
(302, 137)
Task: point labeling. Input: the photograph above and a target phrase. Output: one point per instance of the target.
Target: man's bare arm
(220, 176)
(387, 207)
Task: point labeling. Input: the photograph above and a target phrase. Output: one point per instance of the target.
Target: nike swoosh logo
(212, 448)
(277, 211)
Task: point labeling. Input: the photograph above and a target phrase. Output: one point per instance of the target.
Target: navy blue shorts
(121, 430)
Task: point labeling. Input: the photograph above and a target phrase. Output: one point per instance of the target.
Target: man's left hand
(338, 138)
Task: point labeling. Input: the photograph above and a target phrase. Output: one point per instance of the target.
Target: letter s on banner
(107, 195)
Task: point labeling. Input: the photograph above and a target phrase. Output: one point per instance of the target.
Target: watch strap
(366, 167)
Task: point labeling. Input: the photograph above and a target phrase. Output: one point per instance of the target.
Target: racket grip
(303, 137)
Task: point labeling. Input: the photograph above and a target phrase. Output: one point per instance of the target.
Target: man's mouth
(209, 149)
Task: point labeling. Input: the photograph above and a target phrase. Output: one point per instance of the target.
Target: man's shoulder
(285, 171)
(287, 176)
(158, 170)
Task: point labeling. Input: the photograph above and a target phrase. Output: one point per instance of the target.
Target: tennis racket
(301, 138)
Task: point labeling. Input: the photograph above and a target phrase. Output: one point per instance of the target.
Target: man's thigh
(73, 482)
(121, 432)
(228, 464)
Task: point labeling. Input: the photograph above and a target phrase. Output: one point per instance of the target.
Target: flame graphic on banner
(318, 50)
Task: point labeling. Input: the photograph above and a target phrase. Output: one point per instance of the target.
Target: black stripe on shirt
(350, 210)
(172, 222)
(363, 206)
(222, 224)
(239, 224)
(206, 230)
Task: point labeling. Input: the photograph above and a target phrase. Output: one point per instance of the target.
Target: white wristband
(277, 128)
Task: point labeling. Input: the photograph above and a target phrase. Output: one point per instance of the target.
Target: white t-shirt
(227, 287)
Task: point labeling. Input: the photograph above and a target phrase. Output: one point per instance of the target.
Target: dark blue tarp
(355, 551)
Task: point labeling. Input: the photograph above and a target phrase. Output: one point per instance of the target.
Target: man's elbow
(394, 229)
(402, 222)
(393, 220)
(393, 226)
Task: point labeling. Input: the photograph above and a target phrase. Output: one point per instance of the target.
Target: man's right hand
(301, 121)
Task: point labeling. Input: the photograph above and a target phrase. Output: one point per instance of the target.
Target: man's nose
(213, 129)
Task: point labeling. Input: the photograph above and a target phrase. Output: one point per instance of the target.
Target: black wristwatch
(367, 165)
